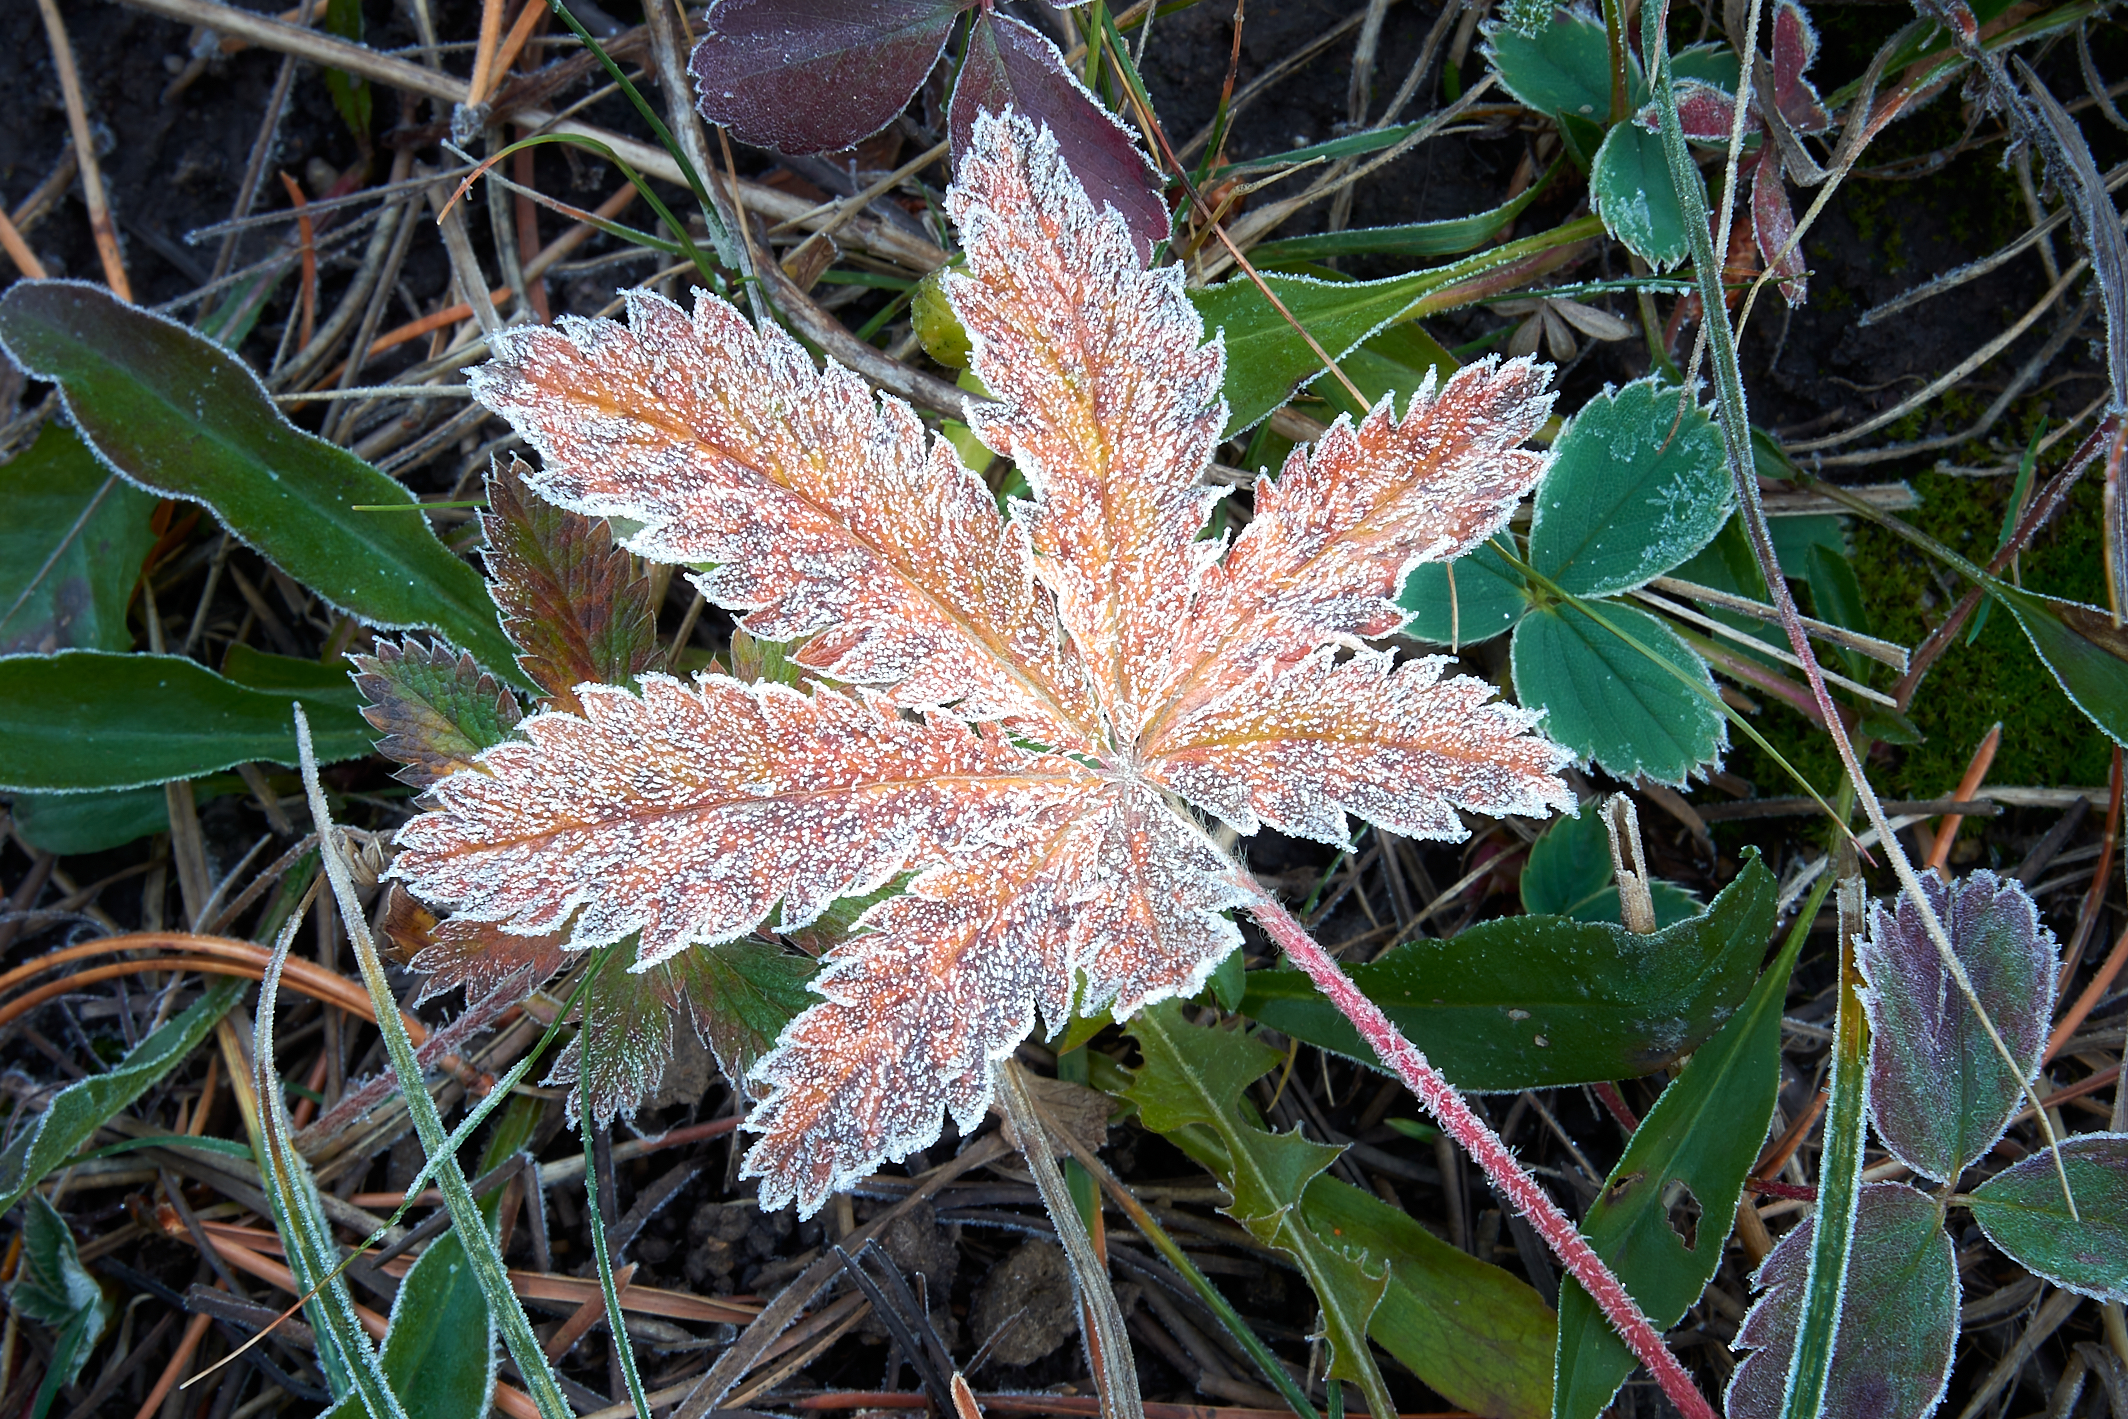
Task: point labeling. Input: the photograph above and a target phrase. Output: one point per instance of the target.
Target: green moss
(2045, 739)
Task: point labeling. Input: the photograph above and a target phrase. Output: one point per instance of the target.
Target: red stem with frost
(1485, 1148)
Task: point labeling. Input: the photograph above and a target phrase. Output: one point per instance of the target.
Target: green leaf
(1569, 874)
(2022, 1211)
(350, 95)
(1608, 700)
(738, 996)
(2080, 646)
(573, 602)
(1636, 486)
(1702, 1136)
(180, 416)
(1189, 1088)
(1478, 1336)
(1898, 1324)
(1605, 1003)
(54, 1287)
(1836, 596)
(1490, 597)
(439, 1346)
(78, 1110)
(1266, 357)
(435, 711)
(322, 688)
(1564, 67)
(1395, 362)
(89, 719)
(64, 823)
(71, 548)
(1629, 185)
(1451, 237)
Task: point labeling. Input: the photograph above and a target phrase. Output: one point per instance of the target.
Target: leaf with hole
(71, 548)
(1488, 598)
(1189, 1089)
(1898, 1323)
(1569, 874)
(1666, 1208)
(1939, 1092)
(180, 416)
(1637, 485)
(809, 77)
(2022, 1210)
(1644, 706)
(1478, 1336)
(89, 719)
(1537, 1002)
(1629, 185)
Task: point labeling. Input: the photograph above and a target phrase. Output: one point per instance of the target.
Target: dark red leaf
(1795, 45)
(571, 601)
(1773, 223)
(1010, 66)
(478, 955)
(807, 76)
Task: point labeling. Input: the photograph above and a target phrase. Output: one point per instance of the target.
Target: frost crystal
(1033, 694)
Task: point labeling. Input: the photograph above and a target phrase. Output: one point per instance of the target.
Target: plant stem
(1484, 1146)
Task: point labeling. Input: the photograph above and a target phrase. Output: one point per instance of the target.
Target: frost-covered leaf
(1569, 874)
(53, 1287)
(1010, 65)
(572, 602)
(70, 549)
(1795, 47)
(806, 76)
(2022, 1210)
(477, 955)
(1939, 1093)
(435, 710)
(1608, 701)
(1773, 223)
(1637, 485)
(1563, 66)
(1031, 684)
(1629, 185)
(741, 996)
(1898, 1324)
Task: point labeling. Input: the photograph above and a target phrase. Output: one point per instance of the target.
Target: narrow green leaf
(1836, 596)
(1534, 1002)
(2022, 1211)
(1636, 486)
(180, 416)
(350, 95)
(90, 719)
(1482, 1338)
(1189, 1088)
(1451, 237)
(1489, 598)
(1395, 362)
(1629, 185)
(1569, 874)
(71, 548)
(54, 1287)
(1700, 1138)
(1898, 1324)
(63, 823)
(439, 1346)
(78, 1110)
(1607, 701)
(2078, 643)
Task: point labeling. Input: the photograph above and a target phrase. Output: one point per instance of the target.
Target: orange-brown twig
(1976, 773)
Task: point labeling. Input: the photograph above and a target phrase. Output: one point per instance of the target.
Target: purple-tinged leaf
(1773, 223)
(808, 76)
(1706, 112)
(2022, 1211)
(478, 955)
(436, 711)
(1898, 1322)
(1795, 45)
(1939, 1093)
(572, 602)
(1010, 66)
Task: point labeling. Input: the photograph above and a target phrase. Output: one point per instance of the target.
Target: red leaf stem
(1484, 1147)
